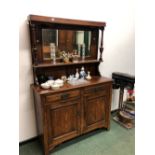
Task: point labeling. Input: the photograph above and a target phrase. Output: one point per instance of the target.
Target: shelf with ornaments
(51, 64)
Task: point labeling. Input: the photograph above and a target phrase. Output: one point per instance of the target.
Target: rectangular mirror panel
(70, 41)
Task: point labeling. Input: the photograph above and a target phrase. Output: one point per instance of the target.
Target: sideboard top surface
(95, 80)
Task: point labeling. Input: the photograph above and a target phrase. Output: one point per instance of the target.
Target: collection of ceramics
(72, 79)
(54, 84)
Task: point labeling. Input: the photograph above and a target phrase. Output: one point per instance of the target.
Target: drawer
(97, 90)
(63, 96)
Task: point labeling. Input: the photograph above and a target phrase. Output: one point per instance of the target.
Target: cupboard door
(63, 121)
(94, 112)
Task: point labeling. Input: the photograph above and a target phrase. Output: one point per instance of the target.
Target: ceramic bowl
(50, 82)
(55, 86)
(45, 85)
(59, 82)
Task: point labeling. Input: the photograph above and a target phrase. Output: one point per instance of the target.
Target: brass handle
(94, 90)
(98, 89)
(34, 48)
(64, 96)
(78, 113)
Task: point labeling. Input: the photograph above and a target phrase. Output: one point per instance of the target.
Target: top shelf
(43, 65)
(55, 20)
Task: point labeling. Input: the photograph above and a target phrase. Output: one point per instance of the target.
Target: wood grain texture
(66, 21)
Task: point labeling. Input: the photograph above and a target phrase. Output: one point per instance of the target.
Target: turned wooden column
(101, 46)
(33, 43)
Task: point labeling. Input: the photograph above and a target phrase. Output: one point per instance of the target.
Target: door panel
(94, 112)
(63, 121)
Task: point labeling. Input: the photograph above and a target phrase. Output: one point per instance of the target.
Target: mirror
(71, 41)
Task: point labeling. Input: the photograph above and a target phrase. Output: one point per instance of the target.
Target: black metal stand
(122, 80)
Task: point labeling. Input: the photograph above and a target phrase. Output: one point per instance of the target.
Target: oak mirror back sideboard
(61, 48)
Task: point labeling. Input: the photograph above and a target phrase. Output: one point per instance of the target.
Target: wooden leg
(49, 151)
(46, 149)
(46, 152)
(108, 128)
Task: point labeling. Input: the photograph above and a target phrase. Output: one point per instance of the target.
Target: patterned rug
(126, 125)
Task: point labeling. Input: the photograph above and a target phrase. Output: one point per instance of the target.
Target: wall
(118, 44)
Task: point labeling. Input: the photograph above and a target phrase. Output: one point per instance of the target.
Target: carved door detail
(63, 121)
(94, 112)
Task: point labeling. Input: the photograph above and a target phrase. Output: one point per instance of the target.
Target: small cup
(50, 82)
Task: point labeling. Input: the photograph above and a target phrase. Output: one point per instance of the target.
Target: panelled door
(63, 121)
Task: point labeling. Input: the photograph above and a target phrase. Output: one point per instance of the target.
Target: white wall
(118, 44)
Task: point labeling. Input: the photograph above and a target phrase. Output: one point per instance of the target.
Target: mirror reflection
(69, 41)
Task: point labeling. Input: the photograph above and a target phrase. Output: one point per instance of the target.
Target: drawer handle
(98, 89)
(94, 90)
(64, 96)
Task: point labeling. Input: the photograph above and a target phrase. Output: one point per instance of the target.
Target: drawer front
(63, 96)
(97, 90)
